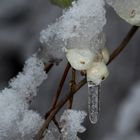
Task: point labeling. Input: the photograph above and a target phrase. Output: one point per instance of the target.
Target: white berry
(105, 55)
(80, 59)
(97, 73)
(129, 10)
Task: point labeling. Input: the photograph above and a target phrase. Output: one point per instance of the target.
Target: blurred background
(20, 24)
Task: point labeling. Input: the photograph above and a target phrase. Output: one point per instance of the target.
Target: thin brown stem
(81, 84)
(57, 124)
(59, 89)
(70, 103)
(56, 109)
(72, 87)
(48, 67)
(124, 43)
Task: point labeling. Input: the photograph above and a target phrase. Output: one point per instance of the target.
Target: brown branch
(57, 124)
(56, 109)
(72, 87)
(59, 89)
(124, 43)
(82, 83)
(48, 67)
(70, 103)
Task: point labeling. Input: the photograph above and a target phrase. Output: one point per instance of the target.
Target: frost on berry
(78, 27)
(129, 10)
(81, 57)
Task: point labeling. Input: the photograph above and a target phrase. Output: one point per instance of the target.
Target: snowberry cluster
(94, 64)
(78, 35)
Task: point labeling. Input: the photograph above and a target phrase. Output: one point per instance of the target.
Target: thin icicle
(93, 101)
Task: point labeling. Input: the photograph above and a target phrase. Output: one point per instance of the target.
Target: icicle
(93, 101)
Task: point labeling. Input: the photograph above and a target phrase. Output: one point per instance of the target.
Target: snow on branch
(17, 121)
(81, 23)
(70, 123)
(32, 76)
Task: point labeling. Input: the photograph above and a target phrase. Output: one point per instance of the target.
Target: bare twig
(57, 124)
(59, 89)
(72, 87)
(48, 67)
(82, 83)
(56, 109)
(123, 43)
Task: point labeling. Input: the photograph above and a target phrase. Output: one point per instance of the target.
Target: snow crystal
(32, 76)
(83, 18)
(29, 125)
(81, 22)
(52, 134)
(16, 120)
(71, 124)
(129, 10)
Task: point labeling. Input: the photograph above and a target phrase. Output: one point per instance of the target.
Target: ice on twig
(93, 102)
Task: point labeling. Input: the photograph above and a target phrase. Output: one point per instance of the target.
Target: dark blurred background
(20, 24)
